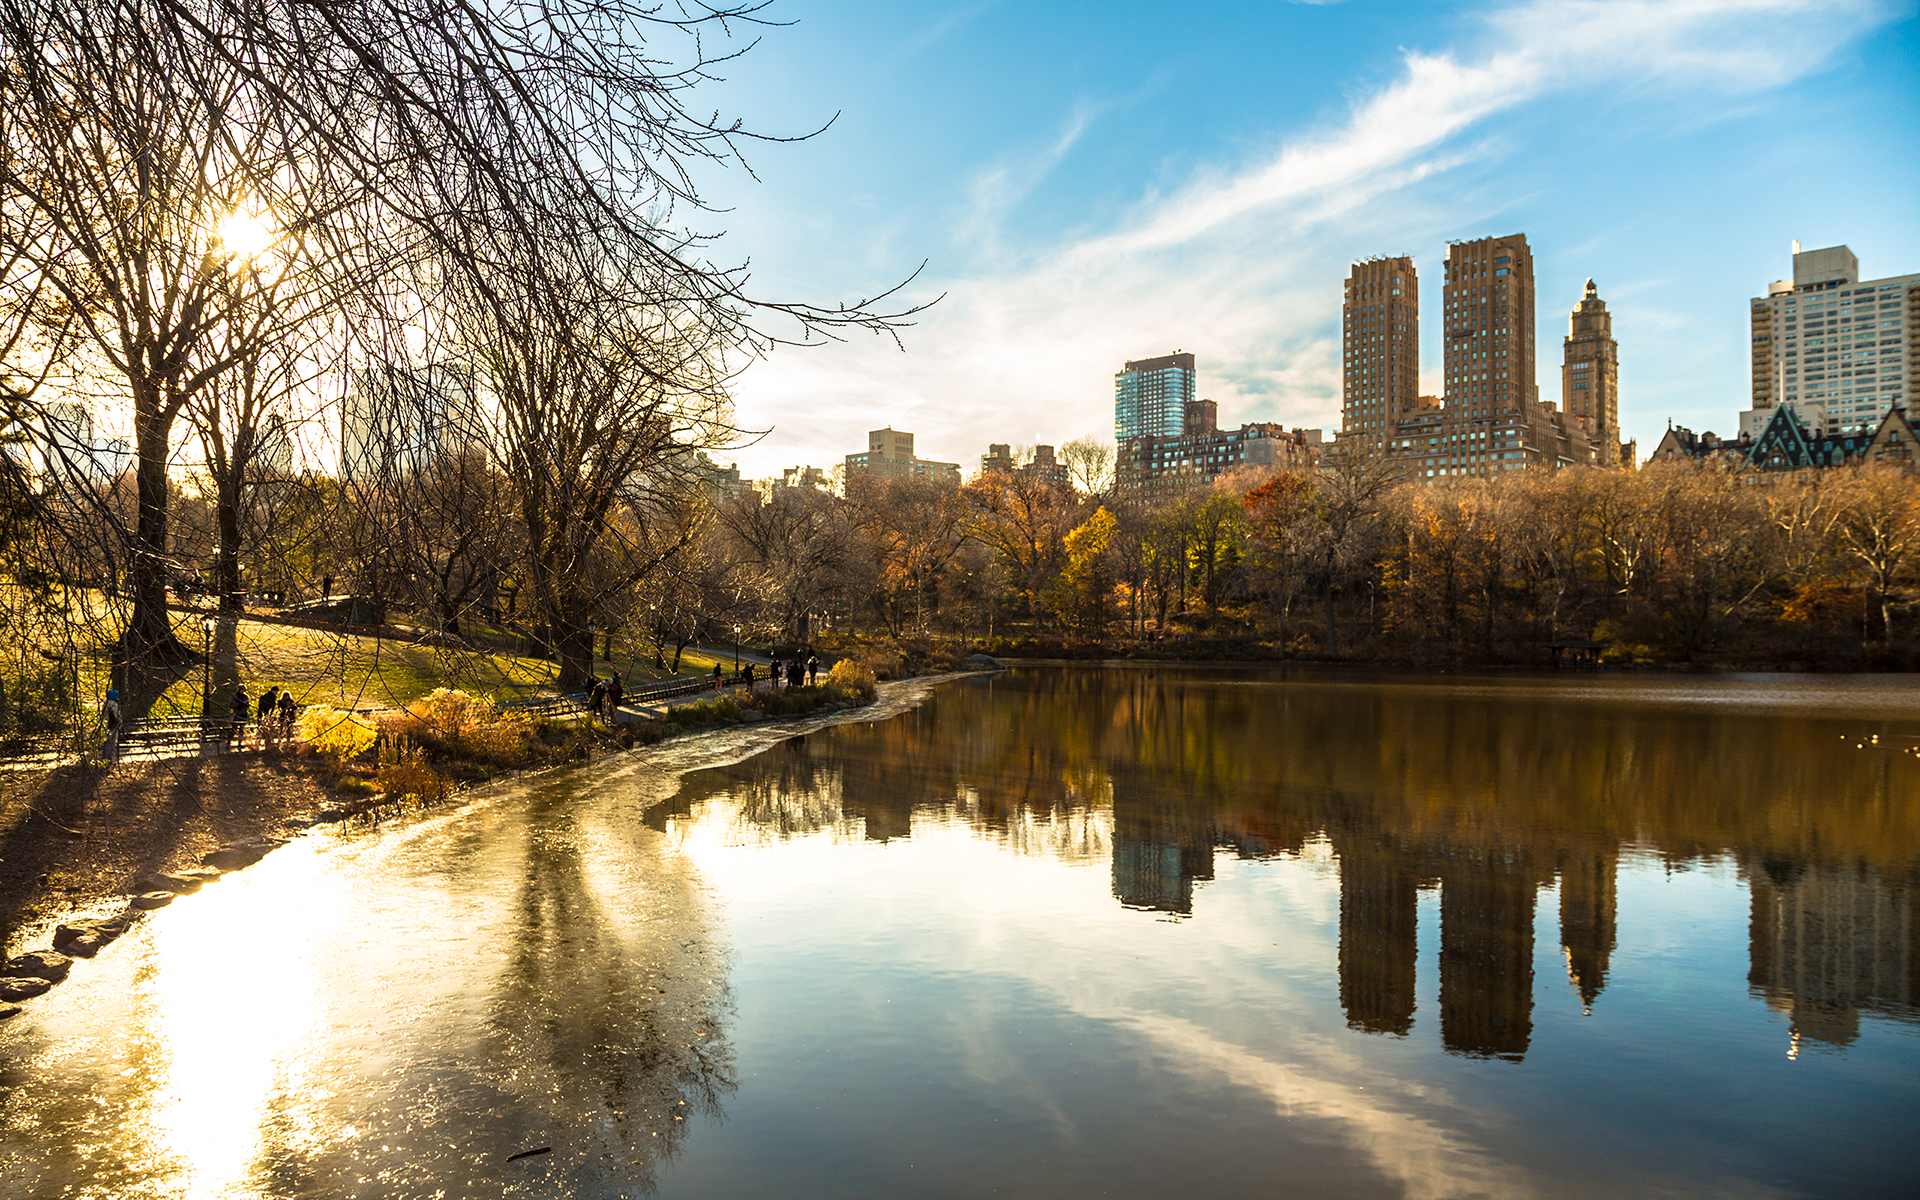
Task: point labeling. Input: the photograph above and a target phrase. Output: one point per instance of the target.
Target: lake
(1062, 931)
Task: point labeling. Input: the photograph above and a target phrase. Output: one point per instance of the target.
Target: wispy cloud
(1243, 264)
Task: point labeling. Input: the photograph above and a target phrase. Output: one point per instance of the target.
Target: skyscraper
(1489, 322)
(1590, 376)
(1838, 350)
(1150, 397)
(1491, 418)
(1380, 333)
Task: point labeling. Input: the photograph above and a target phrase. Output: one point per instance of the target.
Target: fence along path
(153, 738)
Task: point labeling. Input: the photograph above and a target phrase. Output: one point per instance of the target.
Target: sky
(1082, 184)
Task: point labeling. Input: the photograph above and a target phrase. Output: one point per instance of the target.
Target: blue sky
(1089, 183)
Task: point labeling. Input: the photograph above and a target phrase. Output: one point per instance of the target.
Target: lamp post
(206, 679)
(736, 649)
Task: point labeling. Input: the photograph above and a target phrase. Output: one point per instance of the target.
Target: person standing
(269, 708)
(597, 696)
(287, 710)
(716, 677)
(112, 718)
(796, 674)
(813, 670)
(615, 690)
(238, 713)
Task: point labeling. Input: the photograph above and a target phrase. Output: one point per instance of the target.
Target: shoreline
(84, 869)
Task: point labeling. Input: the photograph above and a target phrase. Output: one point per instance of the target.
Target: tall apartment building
(1590, 376)
(1489, 321)
(1838, 350)
(1150, 396)
(1491, 418)
(889, 455)
(1380, 335)
(396, 421)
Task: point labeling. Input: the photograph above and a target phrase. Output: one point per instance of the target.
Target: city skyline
(1131, 200)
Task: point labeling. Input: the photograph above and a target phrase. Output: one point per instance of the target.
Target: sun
(244, 233)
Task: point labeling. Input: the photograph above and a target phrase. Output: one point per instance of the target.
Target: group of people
(800, 672)
(273, 718)
(603, 696)
(796, 672)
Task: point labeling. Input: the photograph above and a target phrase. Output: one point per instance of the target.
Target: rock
(9, 1010)
(203, 874)
(241, 854)
(985, 662)
(301, 822)
(179, 885)
(22, 987)
(45, 964)
(84, 945)
(82, 939)
(153, 900)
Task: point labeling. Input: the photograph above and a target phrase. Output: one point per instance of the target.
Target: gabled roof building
(1786, 442)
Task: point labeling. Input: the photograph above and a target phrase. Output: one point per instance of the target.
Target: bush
(335, 732)
(854, 679)
(721, 710)
(404, 773)
(452, 724)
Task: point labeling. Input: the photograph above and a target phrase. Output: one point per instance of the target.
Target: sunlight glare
(244, 233)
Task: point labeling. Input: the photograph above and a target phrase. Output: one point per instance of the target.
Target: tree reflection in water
(1489, 791)
(396, 1017)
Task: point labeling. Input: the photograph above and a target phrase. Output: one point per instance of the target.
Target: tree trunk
(148, 657)
(227, 518)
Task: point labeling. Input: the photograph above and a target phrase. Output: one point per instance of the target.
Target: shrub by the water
(404, 772)
(336, 732)
(854, 678)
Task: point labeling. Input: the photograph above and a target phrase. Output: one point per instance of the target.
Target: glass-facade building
(1150, 397)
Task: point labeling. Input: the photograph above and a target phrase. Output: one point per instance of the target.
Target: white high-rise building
(1837, 349)
(396, 421)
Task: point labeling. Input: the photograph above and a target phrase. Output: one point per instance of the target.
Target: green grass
(318, 666)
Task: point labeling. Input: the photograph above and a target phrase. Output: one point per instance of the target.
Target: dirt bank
(76, 836)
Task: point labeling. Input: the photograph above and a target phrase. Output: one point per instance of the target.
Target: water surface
(1060, 932)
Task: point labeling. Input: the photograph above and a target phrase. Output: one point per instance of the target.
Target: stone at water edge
(83, 938)
(22, 987)
(153, 900)
(84, 945)
(179, 885)
(241, 854)
(986, 662)
(43, 963)
(9, 1010)
(204, 874)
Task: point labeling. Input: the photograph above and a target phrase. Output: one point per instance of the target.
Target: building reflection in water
(1414, 785)
(1828, 943)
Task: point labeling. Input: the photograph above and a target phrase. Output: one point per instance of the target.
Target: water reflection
(1489, 793)
(393, 1016)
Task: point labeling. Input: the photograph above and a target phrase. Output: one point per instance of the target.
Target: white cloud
(1243, 267)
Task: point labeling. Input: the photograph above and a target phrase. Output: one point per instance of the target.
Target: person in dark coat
(716, 677)
(287, 710)
(597, 696)
(239, 712)
(813, 668)
(796, 674)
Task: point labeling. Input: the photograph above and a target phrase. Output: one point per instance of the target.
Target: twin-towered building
(1491, 418)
